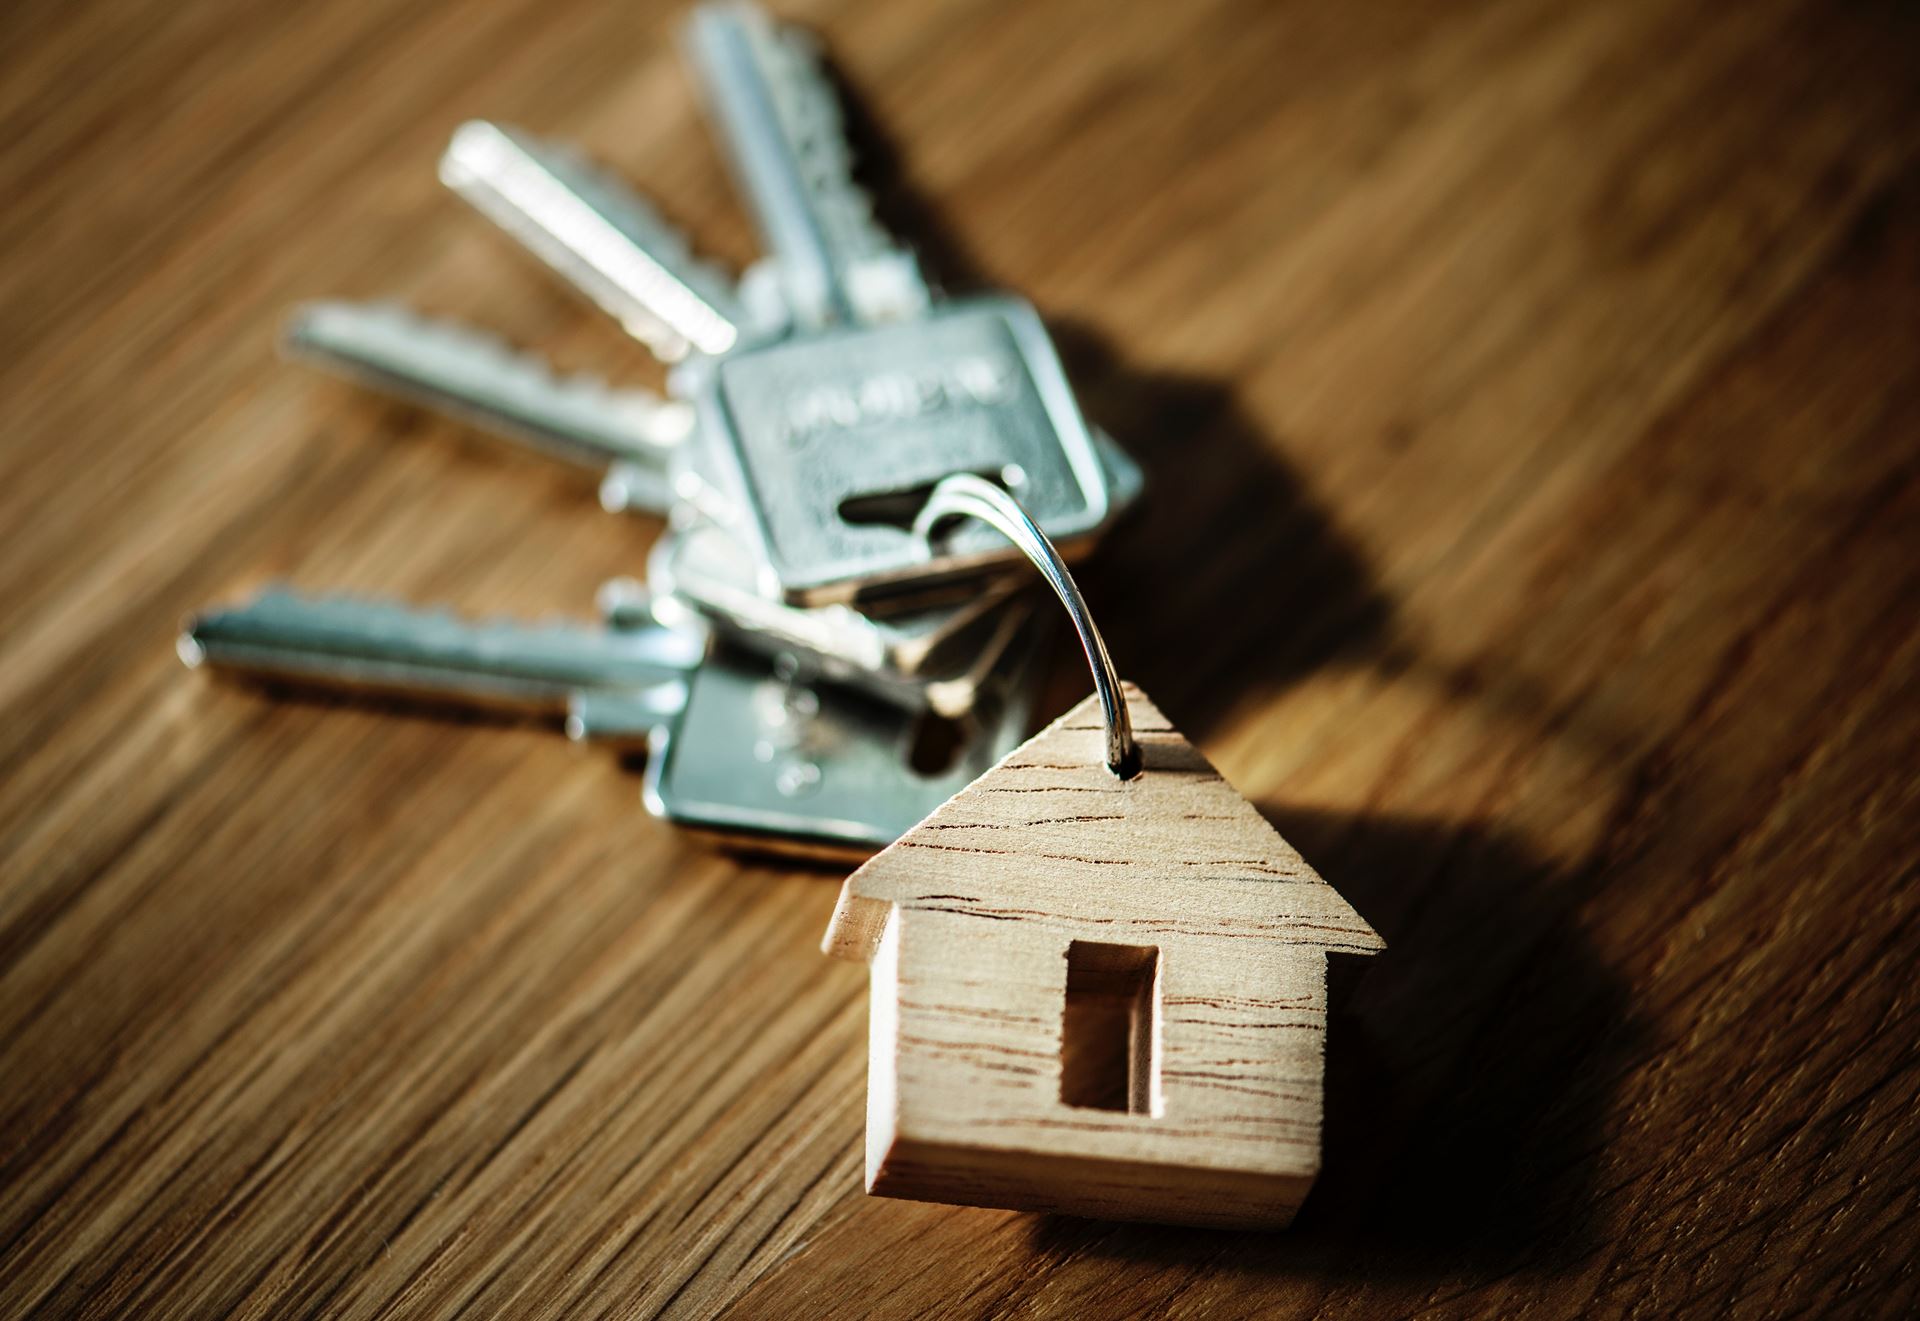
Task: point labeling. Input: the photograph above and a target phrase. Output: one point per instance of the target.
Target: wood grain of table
(1531, 395)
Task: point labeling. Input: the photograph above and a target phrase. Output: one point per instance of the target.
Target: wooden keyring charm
(1096, 990)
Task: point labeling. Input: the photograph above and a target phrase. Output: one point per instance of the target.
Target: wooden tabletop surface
(1531, 395)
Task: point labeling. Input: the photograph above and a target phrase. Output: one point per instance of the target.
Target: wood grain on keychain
(1095, 996)
(1530, 398)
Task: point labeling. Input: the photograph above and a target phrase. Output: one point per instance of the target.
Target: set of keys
(796, 637)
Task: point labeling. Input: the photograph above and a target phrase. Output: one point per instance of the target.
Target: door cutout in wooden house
(1110, 1031)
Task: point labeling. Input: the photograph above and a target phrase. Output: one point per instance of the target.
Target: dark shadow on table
(1470, 1074)
(1227, 578)
(1231, 581)
(1228, 582)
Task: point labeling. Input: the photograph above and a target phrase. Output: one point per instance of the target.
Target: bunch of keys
(796, 636)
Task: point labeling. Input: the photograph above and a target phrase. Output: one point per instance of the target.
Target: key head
(771, 758)
(833, 440)
(899, 651)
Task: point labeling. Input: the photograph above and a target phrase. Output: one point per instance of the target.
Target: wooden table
(1531, 397)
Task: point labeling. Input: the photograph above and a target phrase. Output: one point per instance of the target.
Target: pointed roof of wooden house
(1174, 853)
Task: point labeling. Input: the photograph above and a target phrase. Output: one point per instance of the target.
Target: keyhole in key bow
(898, 508)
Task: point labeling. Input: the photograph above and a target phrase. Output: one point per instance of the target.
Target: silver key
(596, 234)
(895, 655)
(817, 449)
(931, 656)
(624, 718)
(628, 435)
(825, 772)
(825, 445)
(703, 489)
(379, 647)
(780, 121)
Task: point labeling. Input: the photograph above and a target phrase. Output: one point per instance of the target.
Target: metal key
(780, 121)
(813, 406)
(770, 756)
(698, 473)
(890, 653)
(704, 568)
(824, 442)
(598, 235)
(763, 752)
(825, 446)
(934, 656)
(363, 646)
(914, 659)
(827, 772)
(628, 436)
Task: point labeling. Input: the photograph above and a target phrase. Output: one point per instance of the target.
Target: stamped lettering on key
(818, 423)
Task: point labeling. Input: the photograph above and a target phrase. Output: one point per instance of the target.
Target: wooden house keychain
(1098, 975)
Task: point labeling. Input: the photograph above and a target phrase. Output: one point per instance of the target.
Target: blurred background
(1529, 403)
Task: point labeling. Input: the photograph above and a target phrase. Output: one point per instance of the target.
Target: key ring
(964, 495)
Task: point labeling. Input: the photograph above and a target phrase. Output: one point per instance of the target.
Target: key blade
(630, 718)
(366, 646)
(482, 381)
(781, 123)
(596, 234)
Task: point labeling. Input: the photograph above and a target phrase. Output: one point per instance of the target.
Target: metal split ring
(964, 495)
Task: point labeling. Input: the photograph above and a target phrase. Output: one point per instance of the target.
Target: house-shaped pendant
(1097, 996)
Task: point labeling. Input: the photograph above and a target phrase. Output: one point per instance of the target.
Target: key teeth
(811, 107)
(305, 337)
(368, 608)
(479, 153)
(456, 336)
(372, 613)
(613, 196)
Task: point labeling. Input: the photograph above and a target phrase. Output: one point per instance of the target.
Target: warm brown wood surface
(1530, 392)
